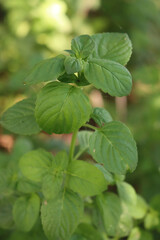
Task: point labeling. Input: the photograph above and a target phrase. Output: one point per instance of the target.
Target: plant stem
(90, 126)
(72, 147)
(80, 153)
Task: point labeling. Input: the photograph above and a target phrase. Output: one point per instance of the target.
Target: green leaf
(83, 139)
(5, 176)
(52, 185)
(113, 46)
(72, 65)
(60, 162)
(88, 231)
(111, 210)
(62, 108)
(61, 215)
(139, 210)
(25, 212)
(35, 164)
(151, 220)
(6, 219)
(114, 146)
(109, 76)
(82, 46)
(25, 186)
(138, 234)
(20, 118)
(67, 78)
(155, 202)
(127, 193)
(125, 224)
(53, 182)
(101, 116)
(135, 234)
(107, 175)
(85, 178)
(46, 70)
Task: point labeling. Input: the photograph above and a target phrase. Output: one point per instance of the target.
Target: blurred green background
(36, 29)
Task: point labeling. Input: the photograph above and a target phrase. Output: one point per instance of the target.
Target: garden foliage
(58, 191)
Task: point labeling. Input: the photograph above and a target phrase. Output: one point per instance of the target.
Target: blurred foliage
(36, 29)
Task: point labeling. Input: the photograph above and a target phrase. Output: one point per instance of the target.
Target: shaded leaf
(114, 146)
(20, 118)
(53, 182)
(35, 164)
(25, 212)
(111, 210)
(61, 216)
(46, 70)
(85, 178)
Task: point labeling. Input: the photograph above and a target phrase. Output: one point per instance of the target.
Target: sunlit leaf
(62, 108)
(109, 76)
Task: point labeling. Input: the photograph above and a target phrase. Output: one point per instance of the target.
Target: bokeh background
(36, 29)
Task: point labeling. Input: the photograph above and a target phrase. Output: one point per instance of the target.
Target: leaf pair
(56, 172)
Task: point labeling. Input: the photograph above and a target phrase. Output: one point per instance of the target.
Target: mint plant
(67, 195)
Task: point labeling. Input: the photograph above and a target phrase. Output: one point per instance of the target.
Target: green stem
(80, 153)
(72, 147)
(90, 126)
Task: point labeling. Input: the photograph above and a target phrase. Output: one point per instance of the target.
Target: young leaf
(111, 210)
(138, 234)
(67, 78)
(109, 76)
(139, 210)
(127, 193)
(54, 180)
(62, 108)
(61, 215)
(72, 65)
(20, 118)
(101, 116)
(46, 70)
(151, 220)
(82, 46)
(35, 164)
(25, 212)
(85, 178)
(114, 146)
(81, 80)
(112, 46)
